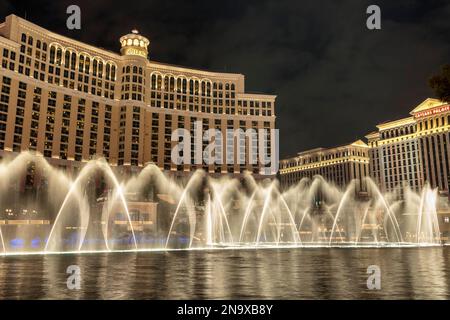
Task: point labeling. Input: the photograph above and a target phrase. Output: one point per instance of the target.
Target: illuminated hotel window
(4, 100)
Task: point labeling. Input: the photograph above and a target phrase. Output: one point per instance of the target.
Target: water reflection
(408, 273)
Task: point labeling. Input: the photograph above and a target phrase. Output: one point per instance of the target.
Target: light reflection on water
(302, 273)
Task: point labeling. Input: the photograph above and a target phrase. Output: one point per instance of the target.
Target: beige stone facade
(407, 152)
(339, 165)
(413, 150)
(71, 101)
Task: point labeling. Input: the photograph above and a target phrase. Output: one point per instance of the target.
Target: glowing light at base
(103, 210)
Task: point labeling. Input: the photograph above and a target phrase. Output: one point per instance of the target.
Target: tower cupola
(134, 44)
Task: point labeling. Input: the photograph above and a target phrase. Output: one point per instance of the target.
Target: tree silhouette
(440, 83)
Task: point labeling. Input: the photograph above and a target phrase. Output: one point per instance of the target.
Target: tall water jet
(3, 241)
(263, 214)
(107, 169)
(96, 208)
(247, 213)
(73, 192)
(184, 199)
(208, 221)
(390, 215)
(427, 224)
(339, 210)
(220, 227)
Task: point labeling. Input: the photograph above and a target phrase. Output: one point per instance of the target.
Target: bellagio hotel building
(72, 102)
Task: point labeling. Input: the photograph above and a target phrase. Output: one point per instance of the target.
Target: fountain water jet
(212, 212)
(339, 210)
(184, 195)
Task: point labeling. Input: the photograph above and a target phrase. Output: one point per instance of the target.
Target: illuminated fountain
(103, 208)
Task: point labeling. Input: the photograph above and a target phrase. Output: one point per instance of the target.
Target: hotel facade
(413, 151)
(339, 165)
(407, 152)
(72, 102)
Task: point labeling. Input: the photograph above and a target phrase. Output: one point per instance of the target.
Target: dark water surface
(316, 273)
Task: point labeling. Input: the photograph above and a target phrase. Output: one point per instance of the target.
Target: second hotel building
(71, 102)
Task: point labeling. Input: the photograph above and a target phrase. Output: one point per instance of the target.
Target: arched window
(113, 72)
(87, 65)
(172, 84)
(153, 82)
(73, 60)
(52, 54)
(179, 87)
(81, 64)
(67, 59)
(159, 82)
(100, 69)
(184, 84)
(58, 56)
(196, 87)
(166, 83)
(191, 86)
(94, 67)
(38, 44)
(203, 88)
(108, 70)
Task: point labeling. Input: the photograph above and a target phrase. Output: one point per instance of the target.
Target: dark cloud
(335, 80)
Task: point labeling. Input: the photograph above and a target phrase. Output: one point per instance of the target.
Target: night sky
(335, 79)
